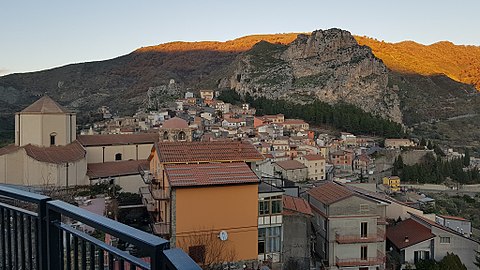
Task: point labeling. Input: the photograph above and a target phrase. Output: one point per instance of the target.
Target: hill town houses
(272, 191)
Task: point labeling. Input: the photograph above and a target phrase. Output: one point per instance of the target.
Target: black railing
(35, 234)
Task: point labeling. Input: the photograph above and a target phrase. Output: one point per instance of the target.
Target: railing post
(54, 247)
(42, 234)
(157, 261)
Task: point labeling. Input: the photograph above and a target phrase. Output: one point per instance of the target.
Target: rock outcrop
(327, 65)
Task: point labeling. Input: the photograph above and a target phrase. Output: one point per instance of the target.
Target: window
(269, 240)
(276, 206)
(445, 240)
(263, 208)
(421, 255)
(363, 253)
(197, 253)
(118, 156)
(261, 240)
(363, 229)
(182, 136)
(52, 138)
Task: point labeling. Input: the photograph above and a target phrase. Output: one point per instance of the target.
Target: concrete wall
(459, 245)
(422, 246)
(36, 129)
(297, 175)
(296, 240)
(233, 208)
(19, 169)
(99, 154)
(396, 209)
(129, 183)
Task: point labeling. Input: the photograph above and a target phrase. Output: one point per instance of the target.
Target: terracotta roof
(115, 168)
(409, 229)
(293, 122)
(330, 192)
(56, 154)
(175, 122)
(8, 149)
(296, 204)
(117, 139)
(45, 105)
(314, 157)
(452, 217)
(182, 152)
(206, 174)
(290, 164)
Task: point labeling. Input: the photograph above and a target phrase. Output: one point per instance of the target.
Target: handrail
(112, 227)
(41, 241)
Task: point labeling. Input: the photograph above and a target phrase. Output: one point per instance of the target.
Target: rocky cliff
(327, 65)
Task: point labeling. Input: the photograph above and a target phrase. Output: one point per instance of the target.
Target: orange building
(204, 195)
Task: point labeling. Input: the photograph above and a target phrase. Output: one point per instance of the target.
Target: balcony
(146, 175)
(369, 261)
(161, 228)
(351, 239)
(160, 194)
(147, 199)
(35, 233)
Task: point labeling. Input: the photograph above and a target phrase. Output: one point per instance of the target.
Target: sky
(37, 35)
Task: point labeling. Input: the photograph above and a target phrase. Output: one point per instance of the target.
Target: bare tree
(206, 248)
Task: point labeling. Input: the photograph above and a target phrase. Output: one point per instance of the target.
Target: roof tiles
(118, 139)
(296, 205)
(207, 174)
(407, 233)
(182, 152)
(291, 165)
(56, 154)
(115, 168)
(45, 105)
(330, 192)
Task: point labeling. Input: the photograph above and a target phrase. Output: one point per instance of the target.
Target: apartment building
(315, 165)
(200, 189)
(349, 227)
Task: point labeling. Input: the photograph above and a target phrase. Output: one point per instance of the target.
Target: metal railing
(368, 261)
(369, 238)
(41, 238)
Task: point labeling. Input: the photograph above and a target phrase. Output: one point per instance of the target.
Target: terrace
(36, 233)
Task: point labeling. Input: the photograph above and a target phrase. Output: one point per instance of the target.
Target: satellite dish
(223, 235)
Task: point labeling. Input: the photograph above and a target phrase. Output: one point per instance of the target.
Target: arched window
(118, 156)
(165, 135)
(52, 138)
(182, 136)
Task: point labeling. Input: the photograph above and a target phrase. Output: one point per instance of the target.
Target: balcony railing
(146, 175)
(369, 261)
(34, 235)
(370, 238)
(160, 193)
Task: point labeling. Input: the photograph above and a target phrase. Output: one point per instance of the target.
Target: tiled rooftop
(330, 192)
(115, 168)
(182, 152)
(45, 105)
(117, 139)
(206, 174)
(290, 164)
(56, 154)
(293, 205)
(314, 157)
(408, 229)
(175, 122)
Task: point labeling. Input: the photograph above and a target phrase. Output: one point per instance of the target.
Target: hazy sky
(37, 35)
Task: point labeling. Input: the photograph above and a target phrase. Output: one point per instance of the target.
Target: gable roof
(56, 154)
(183, 152)
(175, 122)
(8, 149)
(208, 174)
(330, 192)
(290, 164)
(312, 157)
(45, 105)
(409, 229)
(118, 139)
(115, 168)
(295, 205)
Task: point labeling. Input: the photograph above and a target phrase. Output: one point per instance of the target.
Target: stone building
(175, 130)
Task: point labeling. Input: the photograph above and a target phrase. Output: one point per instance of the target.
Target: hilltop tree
(466, 158)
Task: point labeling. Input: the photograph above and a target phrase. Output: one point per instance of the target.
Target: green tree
(451, 262)
(466, 158)
(423, 142)
(430, 145)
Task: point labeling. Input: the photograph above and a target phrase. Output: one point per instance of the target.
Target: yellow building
(393, 183)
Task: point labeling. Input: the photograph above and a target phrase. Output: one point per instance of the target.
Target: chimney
(406, 239)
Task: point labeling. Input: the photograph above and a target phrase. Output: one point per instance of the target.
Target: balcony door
(364, 229)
